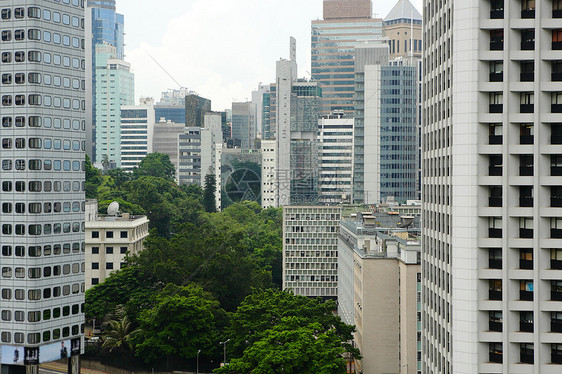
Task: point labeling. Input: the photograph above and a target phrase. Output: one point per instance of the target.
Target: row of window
(109, 250)
(34, 99)
(48, 186)
(109, 234)
(46, 250)
(48, 58)
(48, 15)
(38, 229)
(36, 316)
(34, 338)
(526, 353)
(108, 265)
(38, 208)
(56, 165)
(48, 37)
(46, 293)
(46, 122)
(56, 80)
(37, 272)
(38, 143)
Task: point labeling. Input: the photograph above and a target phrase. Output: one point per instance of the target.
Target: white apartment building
(109, 239)
(335, 135)
(42, 221)
(137, 131)
(492, 284)
(310, 250)
(211, 151)
(268, 173)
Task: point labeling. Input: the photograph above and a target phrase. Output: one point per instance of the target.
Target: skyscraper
(345, 23)
(42, 154)
(244, 126)
(114, 84)
(195, 109)
(491, 195)
(137, 129)
(402, 27)
(103, 25)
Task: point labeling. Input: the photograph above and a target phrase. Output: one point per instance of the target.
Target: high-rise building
(189, 156)
(137, 130)
(266, 115)
(345, 24)
(258, 97)
(42, 220)
(310, 250)
(402, 28)
(379, 289)
(195, 109)
(103, 25)
(165, 140)
(171, 106)
(244, 125)
(211, 152)
(114, 84)
(268, 173)
(335, 160)
(491, 187)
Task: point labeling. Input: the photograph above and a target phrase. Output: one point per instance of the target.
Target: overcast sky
(221, 49)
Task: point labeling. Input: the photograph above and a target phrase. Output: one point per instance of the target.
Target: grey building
(165, 140)
(189, 156)
(244, 125)
(43, 150)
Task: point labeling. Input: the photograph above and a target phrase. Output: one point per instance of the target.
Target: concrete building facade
(379, 291)
(109, 239)
(244, 124)
(137, 132)
(165, 140)
(310, 250)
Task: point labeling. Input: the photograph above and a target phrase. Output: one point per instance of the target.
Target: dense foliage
(205, 277)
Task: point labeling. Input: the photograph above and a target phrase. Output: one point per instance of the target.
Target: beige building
(379, 290)
(403, 29)
(108, 240)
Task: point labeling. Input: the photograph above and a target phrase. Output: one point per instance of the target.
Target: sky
(221, 49)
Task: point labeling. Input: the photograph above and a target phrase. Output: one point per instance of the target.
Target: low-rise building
(379, 289)
(109, 238)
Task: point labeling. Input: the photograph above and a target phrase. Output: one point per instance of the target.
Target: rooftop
(403, 10)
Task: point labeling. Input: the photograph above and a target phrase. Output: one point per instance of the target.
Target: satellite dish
(113, 209)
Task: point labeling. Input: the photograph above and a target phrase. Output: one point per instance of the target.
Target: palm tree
(118, 335)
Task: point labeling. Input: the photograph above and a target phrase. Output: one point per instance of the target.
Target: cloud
(221, 49)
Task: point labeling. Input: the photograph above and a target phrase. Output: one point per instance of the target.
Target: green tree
(120, 177)
(124, 207)
(292, 346)
(262, 310)
(209, 193)
(184, 320)
(118, 335)
(93, 179)
(155, 165)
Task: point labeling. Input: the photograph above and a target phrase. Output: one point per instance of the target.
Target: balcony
(495, 263)
(527, 358)
(555, 233)
(528, 45)
(527, 77)
(494, 233)
(526, 139)
(496, 108)
(526, 233)
(496, 139)
(495, 202)
(555, 325)
(496, 14)
(494, 294)
(556, 264)
(525, 295)
(526, 201)
(495, 326)
(526, 108)
(556, 108)
(495, 171)
(497, 45)
(528, 13)
(496, 77)
(526, 326)
(525, 264)
(556, 201)
(496, 357)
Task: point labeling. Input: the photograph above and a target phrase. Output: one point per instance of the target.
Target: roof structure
(403, 10)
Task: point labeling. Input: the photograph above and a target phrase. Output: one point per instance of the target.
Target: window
(109, 265)
(557, 39)
(495, 290)
(528, 9)
(124, 234)
(526, 290)
(496, 320)
(527, 353)
(109, 234)
(109, 250)
(496, 352)
(34, 34)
